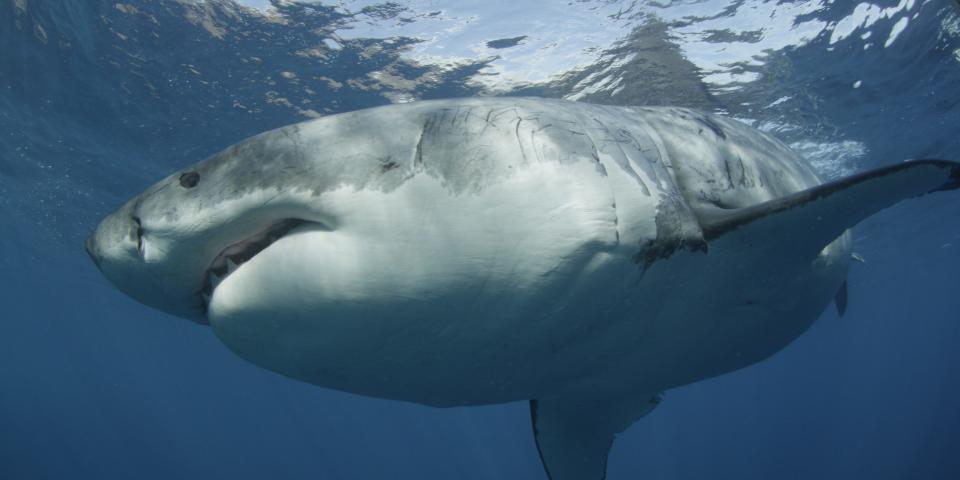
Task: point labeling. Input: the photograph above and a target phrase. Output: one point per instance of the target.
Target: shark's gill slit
(238, 253)
(139, 233)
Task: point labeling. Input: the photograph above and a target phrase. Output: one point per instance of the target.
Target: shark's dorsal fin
(574, 434)
(810, 219)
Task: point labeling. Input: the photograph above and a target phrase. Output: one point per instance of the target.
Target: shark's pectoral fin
(574, 435)
(806, 221)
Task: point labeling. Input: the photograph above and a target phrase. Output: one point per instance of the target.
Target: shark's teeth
(227, 262)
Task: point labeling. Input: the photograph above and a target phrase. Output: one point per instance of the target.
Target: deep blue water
(98, 99)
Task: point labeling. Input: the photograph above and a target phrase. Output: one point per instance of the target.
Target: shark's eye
(189, 179)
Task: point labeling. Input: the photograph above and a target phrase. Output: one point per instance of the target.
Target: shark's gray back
(709, 161)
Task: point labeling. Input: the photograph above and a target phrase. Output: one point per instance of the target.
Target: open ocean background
(98, 99)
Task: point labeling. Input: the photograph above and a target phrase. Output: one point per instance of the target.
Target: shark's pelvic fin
(574, 435)
(808, 220)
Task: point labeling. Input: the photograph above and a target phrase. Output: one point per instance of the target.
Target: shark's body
(480, 251)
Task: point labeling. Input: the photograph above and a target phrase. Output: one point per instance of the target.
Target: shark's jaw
(238, 253)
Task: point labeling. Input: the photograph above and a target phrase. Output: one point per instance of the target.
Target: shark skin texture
(584, 258)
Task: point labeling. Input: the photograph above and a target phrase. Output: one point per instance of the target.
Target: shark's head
(170, 246)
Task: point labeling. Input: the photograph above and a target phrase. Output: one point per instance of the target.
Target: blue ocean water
(98, 99)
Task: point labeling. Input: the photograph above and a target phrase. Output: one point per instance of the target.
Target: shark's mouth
(238, 253)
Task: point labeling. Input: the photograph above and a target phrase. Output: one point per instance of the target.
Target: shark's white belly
(464, 298)
(425, 295)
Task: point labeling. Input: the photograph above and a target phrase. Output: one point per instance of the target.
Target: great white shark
(584, 258)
